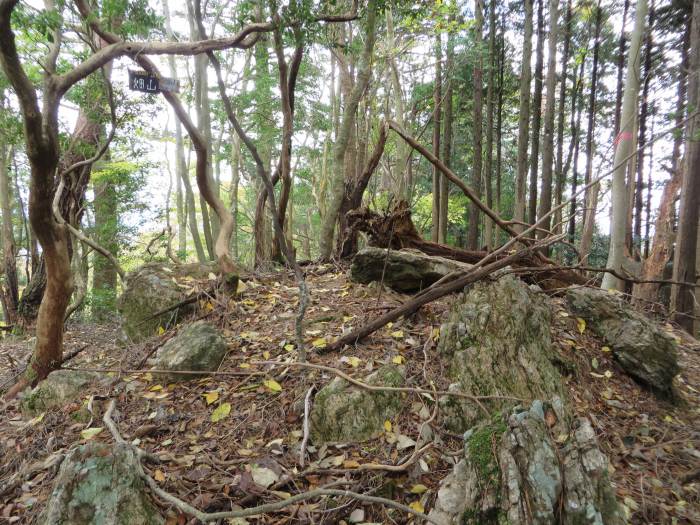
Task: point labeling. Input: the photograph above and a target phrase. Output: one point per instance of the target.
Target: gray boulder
(58, 389)
(99, 483)
(403, 270)
(198, 347)
(532, 467)
(498, 338)
(152, 288)
(642, 348)
(343, 412)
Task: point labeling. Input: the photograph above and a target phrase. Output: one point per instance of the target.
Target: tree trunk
(488, 165)
(523, 121)
(344, 132)
(624, 143)
(683, 297)
(620, 68)
(473, 227)
(536, 115)
(561, 111)
(9, 291)
(447, 137)
(548, 145)
(499, 123)
(437, 120)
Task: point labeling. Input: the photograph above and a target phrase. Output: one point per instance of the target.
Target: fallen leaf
(272, 385)
(161, 330)
(387, 425)
(289, 347)
(319, 343)
(159, 476)
(266, 355)
(594, 363)
(418, 488)
(264, 476)
(220, 412)
(398, 334)
(211, 397)
(404, 442)
(605, 349)
(90, 433)
(156, 388)
(608, 374)
(581, 324)
(398, 359)
(417, 506)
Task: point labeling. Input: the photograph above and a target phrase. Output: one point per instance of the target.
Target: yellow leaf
(398, 334)
(418, 489)
(266, 355)
(211, 397)
(90, 433)
(605, 349)
(389, 325)
(581, 324)
(272, 385)
(159, 476)
(148, 377)
(354, 361)
(289, 347)
(156, 388)
(387, 425)
(220, 412)
(244, 365)
(398, 360)
(161, 330)
(319, 343)
(417, 506)
(436, 333)
(347, 318)
(208, 307)
(608, 374)
(350, 463)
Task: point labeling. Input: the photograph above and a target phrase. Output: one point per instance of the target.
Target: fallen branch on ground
(206, 517)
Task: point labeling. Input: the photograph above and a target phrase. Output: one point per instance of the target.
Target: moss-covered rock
(197, 347)
(498, 339)
(403, 270)
(532, 467)
(154, 287)
(100, 484)
(641, 347)
(59, 388)
(343, 412)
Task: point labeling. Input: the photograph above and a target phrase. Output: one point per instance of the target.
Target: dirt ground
(211, 433)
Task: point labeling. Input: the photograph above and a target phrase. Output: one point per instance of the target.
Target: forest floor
(209, 453)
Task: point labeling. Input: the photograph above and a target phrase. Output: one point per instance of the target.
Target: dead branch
(206, 517)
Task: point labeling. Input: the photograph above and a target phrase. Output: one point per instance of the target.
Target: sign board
(147, 83)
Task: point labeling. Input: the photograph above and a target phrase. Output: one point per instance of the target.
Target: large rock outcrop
(641, 347)
(59, 388)
(154, 287)
(343, 412)
(403, 270)
(532, 467)
(498, 339)
(198, 347)
(99, 483)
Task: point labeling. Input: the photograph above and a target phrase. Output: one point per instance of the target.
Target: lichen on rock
(344, 412)
(498, 339)
(641, 347)
(532, 467)
(99, 483)
(154, 287)
(59, 388)
(198, 347)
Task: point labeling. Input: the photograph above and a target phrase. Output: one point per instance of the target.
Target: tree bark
(473, 227)
(683, 297)
(523, 121)
(447, 138)
(624, 143)
(548, 144)
(488, 165)
(536, 115)
(339, 150)
(437, 122)
(10, 289)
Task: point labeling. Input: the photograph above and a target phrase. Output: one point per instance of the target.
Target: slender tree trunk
(561, 119)
(683, 297)
(447, 138)
(488, 165)
(536, 115)
(643, 114)
(548, 144)
(523, 121)
(591, 197)
(10, 288)
(624, 143)
(235, 181)
(499, 124)
(574, 146)
(344, 132)
(473, 227)
(437, 120)
(620, 68)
